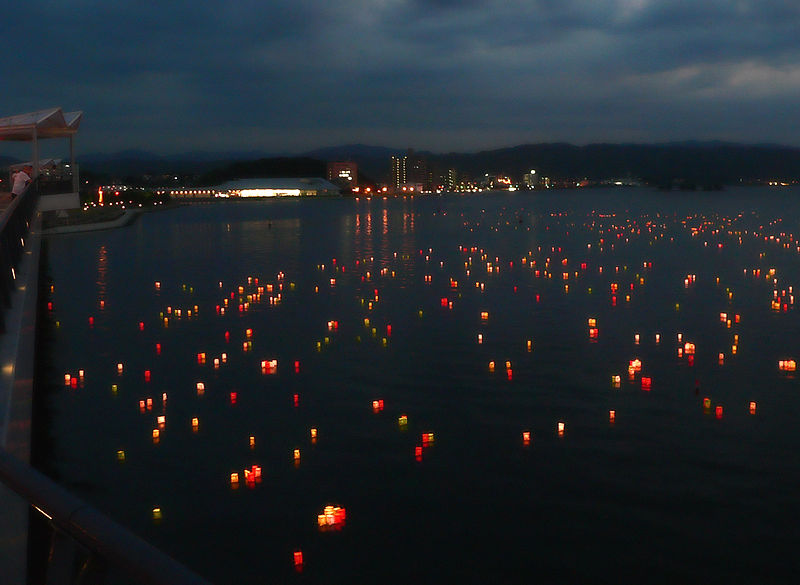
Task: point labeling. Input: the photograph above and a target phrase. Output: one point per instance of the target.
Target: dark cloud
(438, 74)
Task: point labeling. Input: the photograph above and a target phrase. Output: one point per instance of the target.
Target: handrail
(14, 227)
(96, 532)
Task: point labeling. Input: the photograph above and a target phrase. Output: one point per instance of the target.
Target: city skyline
(441, 76)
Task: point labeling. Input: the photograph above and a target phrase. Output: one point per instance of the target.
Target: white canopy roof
(52, 123)
(45, 163)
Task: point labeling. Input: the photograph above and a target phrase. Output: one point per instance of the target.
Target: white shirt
(21, 179)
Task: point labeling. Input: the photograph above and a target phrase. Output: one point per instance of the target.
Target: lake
(478, 318)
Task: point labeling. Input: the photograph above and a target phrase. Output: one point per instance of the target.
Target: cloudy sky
(441, 75)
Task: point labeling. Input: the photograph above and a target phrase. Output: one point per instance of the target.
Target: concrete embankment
(128, 216)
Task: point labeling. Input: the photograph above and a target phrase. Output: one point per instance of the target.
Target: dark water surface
(667, 493)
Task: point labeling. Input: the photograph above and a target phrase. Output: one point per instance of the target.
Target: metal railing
(15, 224)
(103, 543)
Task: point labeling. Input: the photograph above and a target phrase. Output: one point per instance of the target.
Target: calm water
(667, 493)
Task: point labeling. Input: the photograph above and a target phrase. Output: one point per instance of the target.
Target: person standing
(21, 181)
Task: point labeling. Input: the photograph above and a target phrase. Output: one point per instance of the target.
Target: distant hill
(139, 162)
(6, 161)
(373, 161)
(703, 163)
(265, 168)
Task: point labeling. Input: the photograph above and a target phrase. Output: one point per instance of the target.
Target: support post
(35, 154)
(75, 178)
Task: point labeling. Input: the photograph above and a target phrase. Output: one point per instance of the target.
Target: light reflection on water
(668, 493)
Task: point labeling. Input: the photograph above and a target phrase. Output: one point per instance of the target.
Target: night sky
(442, 75)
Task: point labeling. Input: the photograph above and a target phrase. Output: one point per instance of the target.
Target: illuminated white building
(290, 187)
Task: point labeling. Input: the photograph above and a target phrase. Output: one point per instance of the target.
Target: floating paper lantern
(718, 411)
(156, 513)
(162, 421)
(612, 416)
(787, 365)
(529, 345)
(526, 437)
(119, 368)
(561, 427)
(402, 421)
(195, 424)
(332, 517)
(297, 454)
(120, 455)
(752, 408)
(234, 479)
(418, 453)
(616, 380)
(149, 404)
(313, 434)
(491, 366)
(201, 387)
(156, 435)
(689, 348)
(480, 338)
(297, 557)
(647, 383)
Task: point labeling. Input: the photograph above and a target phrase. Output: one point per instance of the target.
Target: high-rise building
(451, 180)
(399, 171)
(344, 174)
(418, 172)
